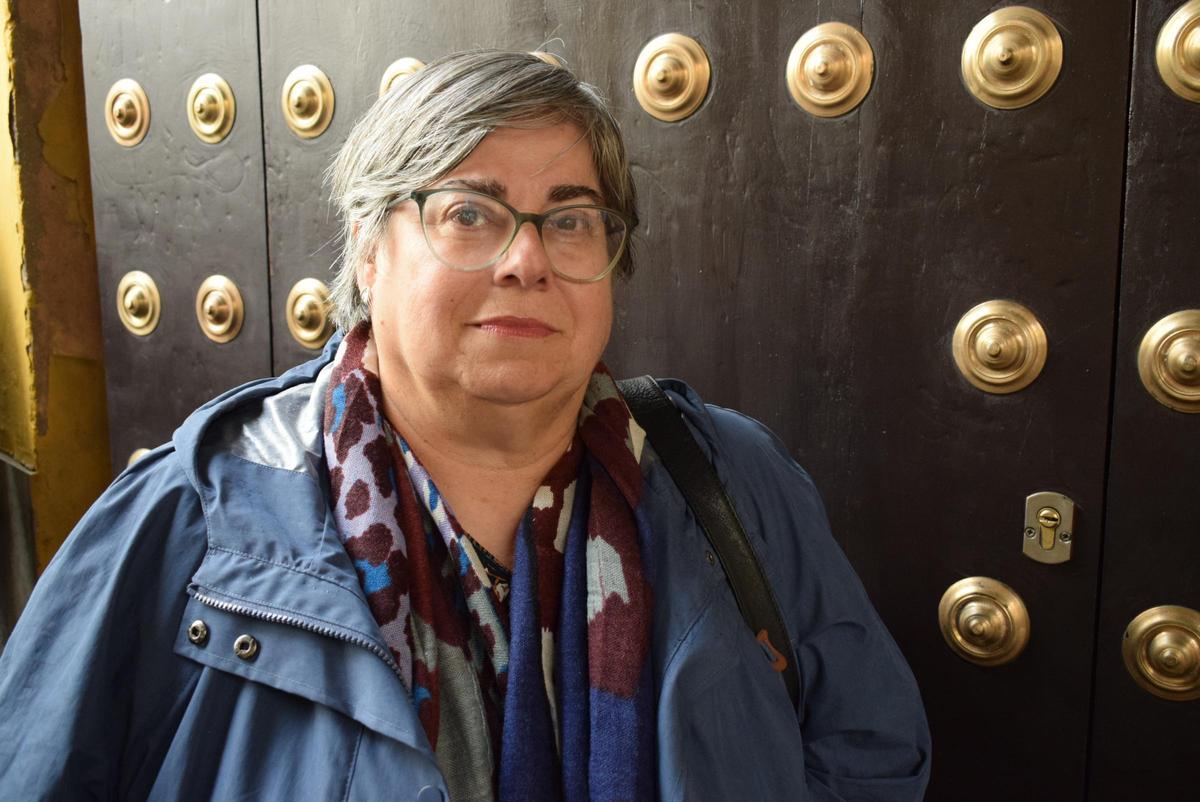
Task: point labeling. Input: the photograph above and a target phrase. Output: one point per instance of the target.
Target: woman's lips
(516, 327)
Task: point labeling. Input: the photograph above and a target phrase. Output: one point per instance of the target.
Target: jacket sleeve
(862, 721)
(90, 687)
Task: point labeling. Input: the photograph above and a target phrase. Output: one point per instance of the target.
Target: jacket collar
(255, 456)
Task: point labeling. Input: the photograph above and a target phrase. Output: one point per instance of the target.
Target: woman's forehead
(548, 154)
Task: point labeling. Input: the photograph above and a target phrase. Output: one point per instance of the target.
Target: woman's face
(510, 333)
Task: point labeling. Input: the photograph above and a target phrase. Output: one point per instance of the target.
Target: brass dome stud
(211, 108)
(127, 112)
(830, 69)
(1169, 361)
(671, 77)
(307, 101)
(999, 346)
(984, 621)
(398, 70)
(307, 313)
(138, 302)
(1161, 649)
(1177, 51)
(1012, 57)
(219, 309)
(548, 57)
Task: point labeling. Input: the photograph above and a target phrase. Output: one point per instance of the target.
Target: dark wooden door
(809, 272)
(175, 208)
(1144, 747)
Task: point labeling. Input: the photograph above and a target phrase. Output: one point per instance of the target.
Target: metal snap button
(197, 632)
(245, 647)
(431, 793)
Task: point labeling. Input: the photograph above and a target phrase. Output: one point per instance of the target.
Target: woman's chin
(516, 382)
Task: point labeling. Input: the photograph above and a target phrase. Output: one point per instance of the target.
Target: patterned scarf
(543, 694)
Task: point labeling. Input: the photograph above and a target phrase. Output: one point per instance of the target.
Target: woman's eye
(468, 216)
(571, 224)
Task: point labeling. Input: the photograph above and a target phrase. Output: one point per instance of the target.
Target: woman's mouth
(516, 327)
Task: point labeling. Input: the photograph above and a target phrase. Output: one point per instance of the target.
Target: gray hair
(432, 120)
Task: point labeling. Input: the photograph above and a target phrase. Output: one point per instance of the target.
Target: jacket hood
(255, 457)
(245, 403)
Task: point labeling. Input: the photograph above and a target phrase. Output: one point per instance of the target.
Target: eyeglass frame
(521, 218)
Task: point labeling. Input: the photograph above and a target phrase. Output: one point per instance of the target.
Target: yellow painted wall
(50, 209)
(18, 420)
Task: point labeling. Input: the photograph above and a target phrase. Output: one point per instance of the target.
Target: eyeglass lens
(469, 230)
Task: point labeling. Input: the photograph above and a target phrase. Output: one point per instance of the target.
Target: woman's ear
(365, 274)
(365, 278)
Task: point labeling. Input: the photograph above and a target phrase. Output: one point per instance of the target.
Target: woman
(440, 561)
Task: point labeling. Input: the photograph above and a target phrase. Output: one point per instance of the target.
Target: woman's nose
(526, 259)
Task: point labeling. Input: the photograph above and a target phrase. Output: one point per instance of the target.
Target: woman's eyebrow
(488, 186)
(566, 192)
(560, 193)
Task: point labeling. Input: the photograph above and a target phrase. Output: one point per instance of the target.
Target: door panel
(1143, 746)
(176, 208)
(811, 272)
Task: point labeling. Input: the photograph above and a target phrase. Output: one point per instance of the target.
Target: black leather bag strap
(697, 480)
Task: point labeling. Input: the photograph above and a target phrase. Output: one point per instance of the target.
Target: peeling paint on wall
(18, 416)
(64, 147)
(52, 385)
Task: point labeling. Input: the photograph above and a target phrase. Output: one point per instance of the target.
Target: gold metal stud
(671, 76)
(1177, 52)
(550, 58)
(1161, 648)
(398, 69)
(138, 302)
(999, 346)
(1169, 360)
(127, 112)
(1012, 57)
(307, 100)
(211, 108)
(984, 621)
(308, 313)
(219, 309)
(830, 69)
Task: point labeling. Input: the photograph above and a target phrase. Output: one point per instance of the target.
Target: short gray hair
(432, 120)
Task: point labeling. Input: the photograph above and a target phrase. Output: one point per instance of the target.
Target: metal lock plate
(1049, 527)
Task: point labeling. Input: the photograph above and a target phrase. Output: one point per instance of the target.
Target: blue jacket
(109, 690)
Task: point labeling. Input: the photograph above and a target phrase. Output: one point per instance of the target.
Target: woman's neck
(486, 458)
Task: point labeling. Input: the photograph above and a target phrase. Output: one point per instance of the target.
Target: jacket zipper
(277, 618)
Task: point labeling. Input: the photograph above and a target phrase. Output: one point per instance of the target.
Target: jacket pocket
(727, 729)
(243, 740)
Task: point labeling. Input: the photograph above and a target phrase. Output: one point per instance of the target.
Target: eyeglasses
(468, 230)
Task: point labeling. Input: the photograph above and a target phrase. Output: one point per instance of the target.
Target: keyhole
(1049, 519)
